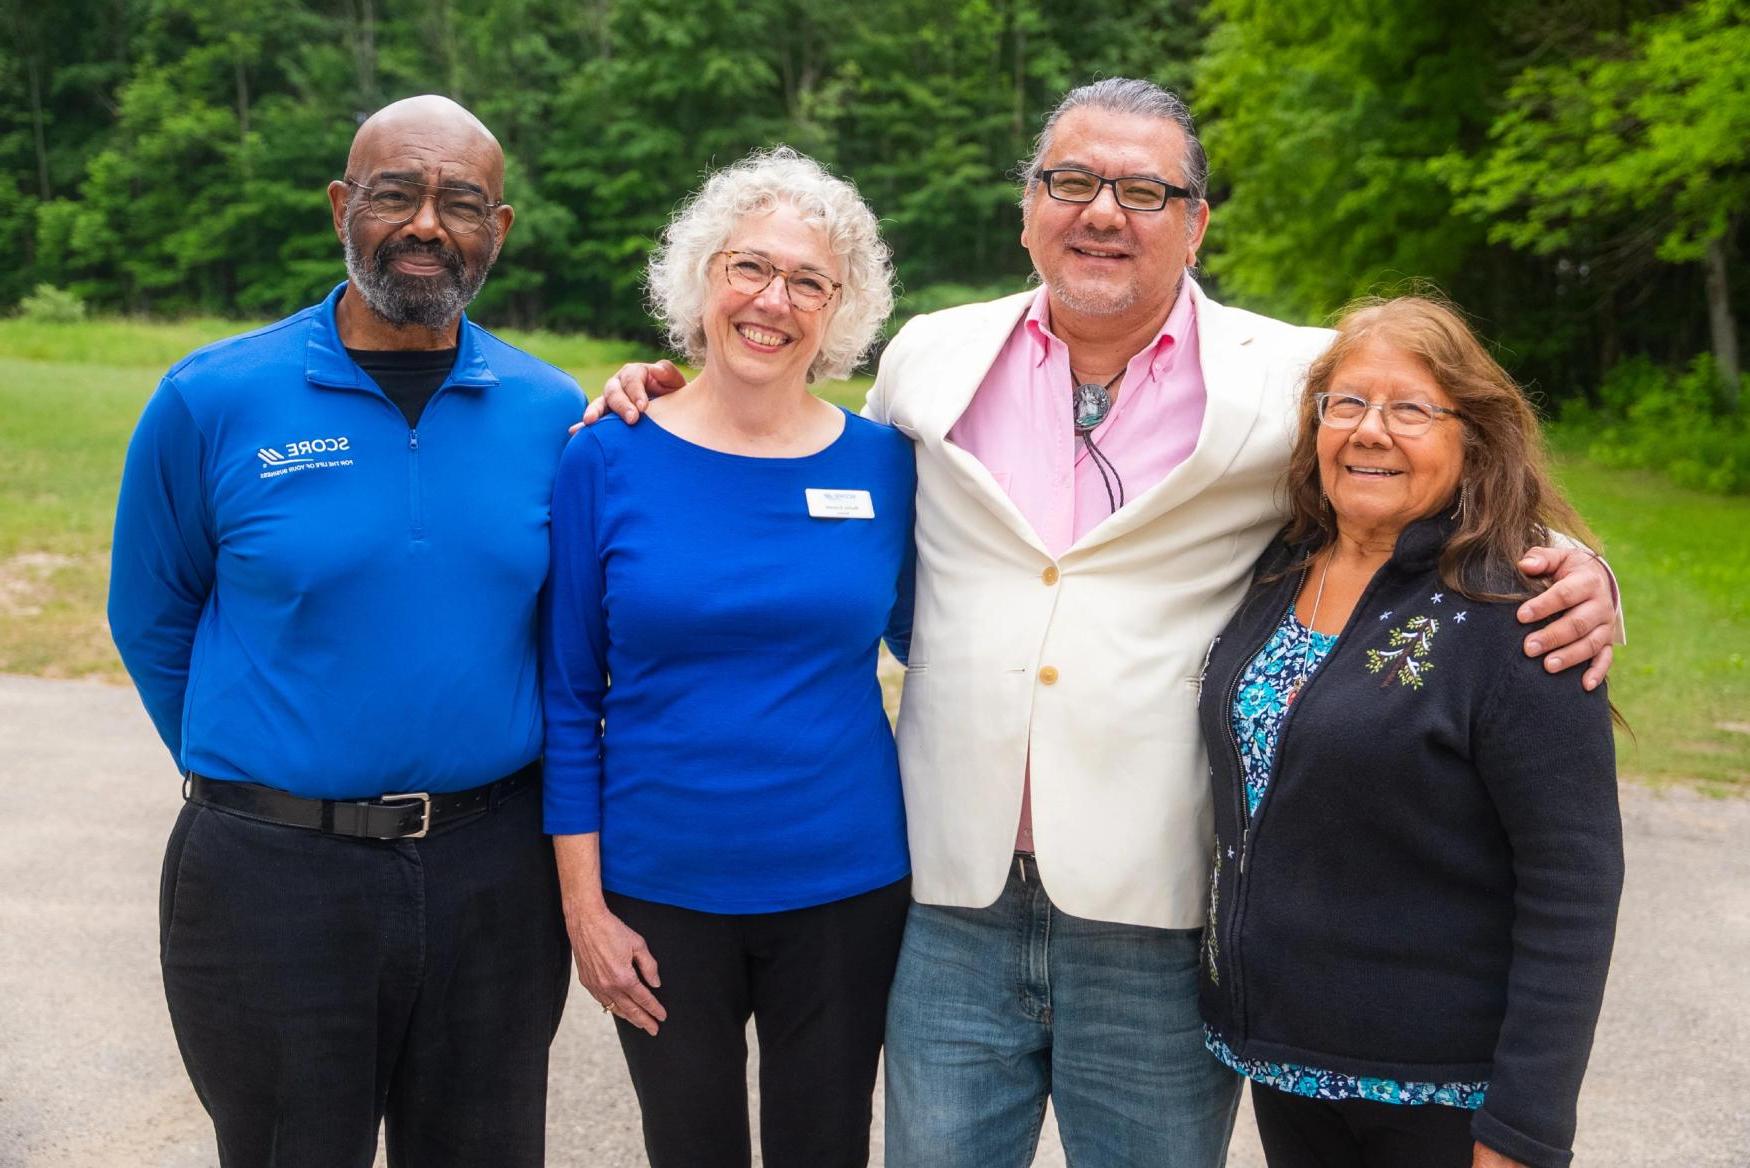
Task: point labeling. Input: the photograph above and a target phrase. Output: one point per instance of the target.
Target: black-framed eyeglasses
(1134, 192)
(753, 273)
(1344, 411)
(394, 202)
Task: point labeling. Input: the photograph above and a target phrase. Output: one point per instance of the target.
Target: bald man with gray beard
(329, 547)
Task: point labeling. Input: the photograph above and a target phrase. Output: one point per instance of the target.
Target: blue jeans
(995, 1009)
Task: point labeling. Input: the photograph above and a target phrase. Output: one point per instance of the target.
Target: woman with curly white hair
(721, 782)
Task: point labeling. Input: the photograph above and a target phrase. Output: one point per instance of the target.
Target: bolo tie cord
(1103, 464)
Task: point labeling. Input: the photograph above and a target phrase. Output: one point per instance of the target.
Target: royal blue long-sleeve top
(709, 653)
(311, 595)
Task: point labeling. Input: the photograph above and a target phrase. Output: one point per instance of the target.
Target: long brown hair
(1508, 502)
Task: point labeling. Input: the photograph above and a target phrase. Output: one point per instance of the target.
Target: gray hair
(1124, 95)
(679, 275)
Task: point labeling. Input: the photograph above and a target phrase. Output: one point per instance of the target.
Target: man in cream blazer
(1120, 796)
(1056, 791)
(1064, 963)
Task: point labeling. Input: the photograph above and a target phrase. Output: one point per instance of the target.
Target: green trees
(1572, 172)
(1324, 120)
(166, 155)
(1642, 146)
(1567, 170)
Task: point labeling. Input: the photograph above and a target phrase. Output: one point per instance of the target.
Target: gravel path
(90, 1078)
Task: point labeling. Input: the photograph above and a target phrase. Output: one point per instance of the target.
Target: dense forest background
(1572, 172)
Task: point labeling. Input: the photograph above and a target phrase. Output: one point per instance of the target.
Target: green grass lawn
(1683, 679)
(69, 396)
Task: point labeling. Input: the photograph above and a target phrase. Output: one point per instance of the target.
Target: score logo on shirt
(304, 454)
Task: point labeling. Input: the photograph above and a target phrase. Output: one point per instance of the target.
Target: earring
(1459, 511)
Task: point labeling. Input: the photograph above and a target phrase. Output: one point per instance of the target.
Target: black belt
(386, 817)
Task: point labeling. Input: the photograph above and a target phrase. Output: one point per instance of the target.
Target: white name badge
(827, 503)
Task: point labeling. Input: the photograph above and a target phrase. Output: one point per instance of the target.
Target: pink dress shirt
(1019, 425)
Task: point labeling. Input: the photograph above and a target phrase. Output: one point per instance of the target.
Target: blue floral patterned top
(1267, 688)
(1266, 691)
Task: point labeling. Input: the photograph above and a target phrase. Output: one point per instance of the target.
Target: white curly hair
(680, 271)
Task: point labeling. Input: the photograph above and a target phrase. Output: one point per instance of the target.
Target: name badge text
(831, 503)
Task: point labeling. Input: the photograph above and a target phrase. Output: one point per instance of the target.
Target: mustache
(1113, 240)
(394, 249)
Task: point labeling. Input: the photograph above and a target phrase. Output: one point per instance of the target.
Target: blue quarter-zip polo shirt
(311, 595)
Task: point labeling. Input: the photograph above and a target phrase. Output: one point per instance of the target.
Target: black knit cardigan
(1428, 890)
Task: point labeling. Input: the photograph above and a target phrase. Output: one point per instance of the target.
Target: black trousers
(320, 986)
(814, 981)
(1358, 1133)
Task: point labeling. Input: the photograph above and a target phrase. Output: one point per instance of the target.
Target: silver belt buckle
(423, 799)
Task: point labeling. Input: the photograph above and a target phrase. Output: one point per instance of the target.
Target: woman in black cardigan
(1418, 850)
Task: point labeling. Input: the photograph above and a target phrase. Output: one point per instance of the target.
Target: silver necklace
(1307, 660)
(1319, 595)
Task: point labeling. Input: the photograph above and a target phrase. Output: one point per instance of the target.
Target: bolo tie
(1090, 404)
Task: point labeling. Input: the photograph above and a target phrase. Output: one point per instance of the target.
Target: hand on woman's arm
(1583, 591)
(628, 392)
(613, 963)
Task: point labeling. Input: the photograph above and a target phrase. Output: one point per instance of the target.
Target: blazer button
(1048, 675)
(1049, 575)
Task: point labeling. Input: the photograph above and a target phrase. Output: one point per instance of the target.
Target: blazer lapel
(957, 367)
(1234, 384)
(955, 371)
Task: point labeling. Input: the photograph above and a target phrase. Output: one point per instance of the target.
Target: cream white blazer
(1089, 670)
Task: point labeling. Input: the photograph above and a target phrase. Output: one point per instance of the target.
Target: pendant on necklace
(1091, 403)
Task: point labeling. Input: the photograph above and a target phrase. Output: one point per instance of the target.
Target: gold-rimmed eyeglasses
(460, 209)
(1344, 411)
(753, 273)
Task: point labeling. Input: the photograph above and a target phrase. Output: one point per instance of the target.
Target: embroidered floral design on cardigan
(1406, 661)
